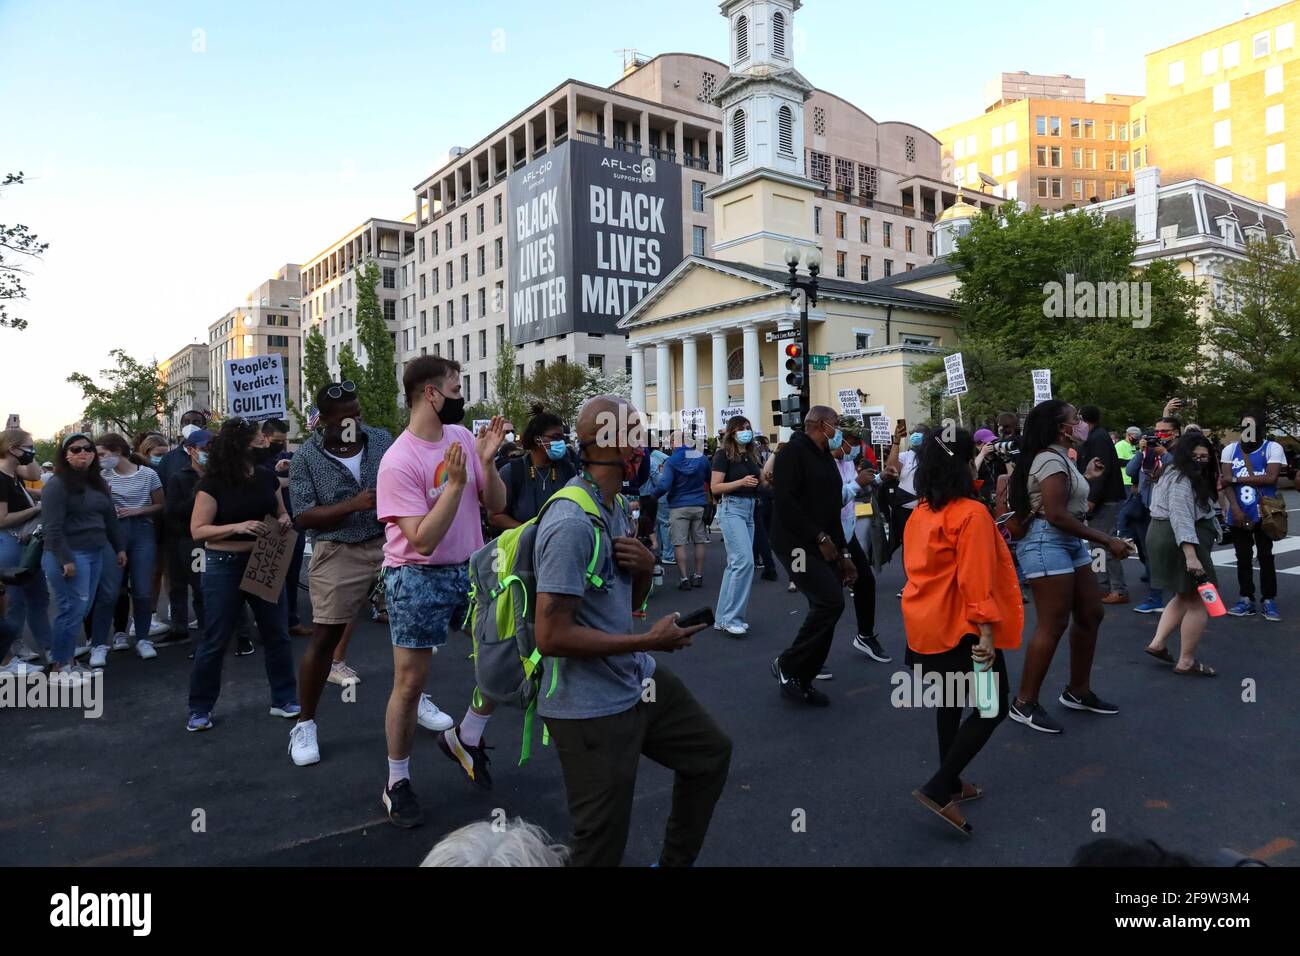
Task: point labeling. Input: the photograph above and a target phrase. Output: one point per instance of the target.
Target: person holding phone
(608, 701)
(1050, 499)
(735, 477)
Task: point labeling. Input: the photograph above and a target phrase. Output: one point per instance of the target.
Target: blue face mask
(852, 453)
(203, 458)
(916, 438)
(836, 440)
(556, 450)
(745, 437)
(155, 459)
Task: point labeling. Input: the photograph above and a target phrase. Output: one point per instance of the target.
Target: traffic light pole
(809, 289)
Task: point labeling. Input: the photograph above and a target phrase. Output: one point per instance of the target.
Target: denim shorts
(1045, 551)
(424, 600)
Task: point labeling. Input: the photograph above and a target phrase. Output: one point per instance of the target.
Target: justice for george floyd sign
(591, 230)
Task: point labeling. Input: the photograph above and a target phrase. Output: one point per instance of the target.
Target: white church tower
(765, 200)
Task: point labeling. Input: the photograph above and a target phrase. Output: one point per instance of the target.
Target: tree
(560, 388)
(378, 381)
(134, 400)
(350, 370)
(1016, 268)
(15, 240)
(315, 367)
(1254, 362)
(508, 388)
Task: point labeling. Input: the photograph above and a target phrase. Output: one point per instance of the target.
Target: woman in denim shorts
(1049, 496)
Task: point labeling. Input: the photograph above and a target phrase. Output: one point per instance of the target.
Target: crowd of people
(1046, 510)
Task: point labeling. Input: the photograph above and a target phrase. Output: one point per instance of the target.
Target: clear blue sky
(169, 182)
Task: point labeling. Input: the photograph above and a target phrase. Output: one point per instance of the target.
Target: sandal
(967, 793)
(949, 814)
(1197, 670)
(1162, 655)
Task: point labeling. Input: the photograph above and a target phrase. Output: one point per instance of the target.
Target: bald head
(822, 413)
(609, 421)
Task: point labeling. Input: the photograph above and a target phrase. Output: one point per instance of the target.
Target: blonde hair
(12, 438)
(733, 449)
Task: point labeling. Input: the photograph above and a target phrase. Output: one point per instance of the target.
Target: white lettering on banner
(635, 210)
(541, 293)
(607, 295)
(538, 214)
(255, 387)
(728, 413)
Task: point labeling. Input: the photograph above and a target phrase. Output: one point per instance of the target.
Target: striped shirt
(134, 490)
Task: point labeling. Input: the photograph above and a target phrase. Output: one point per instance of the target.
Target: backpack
(502, 605)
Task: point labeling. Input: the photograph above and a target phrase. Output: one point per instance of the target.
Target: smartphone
(703, 616)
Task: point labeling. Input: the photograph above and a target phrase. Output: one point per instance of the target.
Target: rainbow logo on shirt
(440, 476)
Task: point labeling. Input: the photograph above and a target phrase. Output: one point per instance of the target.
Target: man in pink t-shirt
(431, 483)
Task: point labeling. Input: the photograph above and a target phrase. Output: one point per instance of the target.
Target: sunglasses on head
(338, 390)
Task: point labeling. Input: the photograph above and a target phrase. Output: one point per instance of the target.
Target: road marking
(1157, 804)
(1272, 848)
(1227, 558)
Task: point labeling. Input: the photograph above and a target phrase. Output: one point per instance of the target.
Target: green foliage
(46, 449)
(15, 241)
(1006, 264)
(134, 400)
(508, 388)
(560, 388)
(1254, 361)
(316, 367)
(378, 383)
(350, 370)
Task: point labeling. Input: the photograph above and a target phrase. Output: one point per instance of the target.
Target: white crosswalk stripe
(1226, 557)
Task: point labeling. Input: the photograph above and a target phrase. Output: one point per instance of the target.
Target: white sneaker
(342, 674)
(145, 649)
(157, 628)
(736, 630)
(431, 718)
(75, 676)
(120, 642)
(81, 651)
(302, 744)
(99, 655)
(24, 652)
(19, 668)
(194, 624)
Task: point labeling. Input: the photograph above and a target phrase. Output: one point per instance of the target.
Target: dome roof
(958, 210)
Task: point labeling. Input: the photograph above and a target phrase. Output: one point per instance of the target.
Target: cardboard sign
(1042, 384)
(956, 372)
(696, 418)
(268, 563)
(727, 414)
(850, 405)
(880, 433)
(255, 387)
(480, 423)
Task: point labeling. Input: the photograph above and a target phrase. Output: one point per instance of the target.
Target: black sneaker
(685, 585)
(473, 760)
(243, 646)
(794, 689)
(824, 673)
(871, 647)
(172, 638)
(403, 809)
(768, 575)
(1033, 716)
(1088, 701)
(697, 581)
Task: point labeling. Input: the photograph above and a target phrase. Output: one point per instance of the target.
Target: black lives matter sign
(591, 232)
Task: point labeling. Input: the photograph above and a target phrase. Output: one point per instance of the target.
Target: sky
(177, 153)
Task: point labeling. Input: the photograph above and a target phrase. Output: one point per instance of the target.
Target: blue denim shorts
(1045, 551)
(424, 600)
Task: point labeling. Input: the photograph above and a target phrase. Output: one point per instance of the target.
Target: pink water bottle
(1210, 595)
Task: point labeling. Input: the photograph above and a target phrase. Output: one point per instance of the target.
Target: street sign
(780, 334)
(819, 363)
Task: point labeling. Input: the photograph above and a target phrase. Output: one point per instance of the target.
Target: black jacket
(1110, 486)
(806, 487)
(179, 503)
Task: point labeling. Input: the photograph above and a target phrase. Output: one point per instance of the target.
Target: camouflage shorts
(424, 601)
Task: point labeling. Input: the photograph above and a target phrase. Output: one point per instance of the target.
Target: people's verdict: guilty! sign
(255, 387)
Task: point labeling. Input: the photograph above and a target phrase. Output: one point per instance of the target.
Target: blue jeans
(736, 515)
(661, 531)
(73, 597)
(28, 602)
(141, 547)
(1046, 551)
(223, 604)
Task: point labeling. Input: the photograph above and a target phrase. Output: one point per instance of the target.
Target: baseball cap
(985, 435)
(1132, 430)
(47, 464)
(197, 437)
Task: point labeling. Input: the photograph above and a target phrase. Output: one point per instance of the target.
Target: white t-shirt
(907, 474)
(352, 464)
(1273, 454)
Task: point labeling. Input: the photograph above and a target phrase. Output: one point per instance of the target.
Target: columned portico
(753, 383)
(690, 376)
(638, 379)
(663, 378)
(719, 373)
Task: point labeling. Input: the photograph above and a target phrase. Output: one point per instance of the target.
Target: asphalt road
(1187, 761)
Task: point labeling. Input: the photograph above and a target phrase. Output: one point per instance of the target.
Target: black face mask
(26, 456)
(452, 411)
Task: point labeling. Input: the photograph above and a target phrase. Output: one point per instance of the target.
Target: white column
(664, 403)
(719, 373)
(753, 390)
(690, 374)
(638, 378)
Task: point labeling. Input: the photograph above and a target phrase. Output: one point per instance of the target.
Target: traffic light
(793, 410)
(795, 365)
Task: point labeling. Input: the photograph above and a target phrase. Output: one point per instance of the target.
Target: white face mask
(108, 462)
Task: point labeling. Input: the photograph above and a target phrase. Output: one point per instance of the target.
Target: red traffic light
(794, 350)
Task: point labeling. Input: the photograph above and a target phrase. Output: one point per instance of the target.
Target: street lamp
(812, 259)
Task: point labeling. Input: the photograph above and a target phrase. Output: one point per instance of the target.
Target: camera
(1008, 449)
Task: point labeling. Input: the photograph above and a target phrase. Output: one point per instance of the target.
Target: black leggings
(864, 589)
(960, 741)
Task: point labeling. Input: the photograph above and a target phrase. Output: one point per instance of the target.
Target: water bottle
(986, 688)
(1210, 596)
(659, 575)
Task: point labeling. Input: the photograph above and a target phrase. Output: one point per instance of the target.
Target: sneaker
(194, 624)
(302, 744)
(791, 587)
(144, 647)
(120, 642)
(290, 709)
(1089, 701)
(81, 651)
(20, 668)
(158, 628)
(1033, 716)
(172, 638)
(1151, 606)
(824, 673)
(1270, 610)
(697, 581)
(684, 584)
(899, 595)
(871, 647)
(1114, 597)
(403, 809)
(23, 652)
(735, 630)
(342, 674)
(1243, 608)
(431, 718)
(795, 690)
(473, 760)
(243, 646)
(199, 722)
(668, 560)
(99, 656)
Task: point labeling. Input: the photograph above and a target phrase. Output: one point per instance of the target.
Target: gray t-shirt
(588, 686)
(1055, 462)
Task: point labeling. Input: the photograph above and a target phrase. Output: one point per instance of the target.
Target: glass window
(698, 245)
(697, 196)
(1260, 44)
